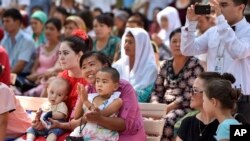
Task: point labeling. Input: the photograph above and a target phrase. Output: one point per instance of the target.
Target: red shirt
(4, 60)
(72, 97)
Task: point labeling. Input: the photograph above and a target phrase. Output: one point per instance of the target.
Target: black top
(191, 127)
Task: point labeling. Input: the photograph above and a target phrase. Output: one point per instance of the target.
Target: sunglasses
(195, 91)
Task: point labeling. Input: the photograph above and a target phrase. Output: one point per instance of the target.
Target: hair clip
(80, 33)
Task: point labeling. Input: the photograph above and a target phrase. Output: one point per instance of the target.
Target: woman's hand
(82, 91)
(54, 123)
(191, 16)
(94, 115)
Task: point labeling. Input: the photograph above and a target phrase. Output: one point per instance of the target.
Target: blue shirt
(223, 130)
(23, 49)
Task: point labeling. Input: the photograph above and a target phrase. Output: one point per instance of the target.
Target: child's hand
(38, 114)
(82, 91)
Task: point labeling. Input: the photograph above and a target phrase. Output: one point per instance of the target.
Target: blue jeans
(45, 132)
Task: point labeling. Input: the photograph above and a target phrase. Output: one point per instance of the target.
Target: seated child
(58, 89)
(106, 99)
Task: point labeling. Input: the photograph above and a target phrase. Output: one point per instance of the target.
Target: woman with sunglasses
(201, 122)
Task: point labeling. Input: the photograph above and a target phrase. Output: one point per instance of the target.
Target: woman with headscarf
(38, 20)
(169, 20)
(137, 63)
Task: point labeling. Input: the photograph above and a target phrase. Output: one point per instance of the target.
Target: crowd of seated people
(95, 61)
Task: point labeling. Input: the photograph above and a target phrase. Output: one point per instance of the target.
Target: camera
(202, 9)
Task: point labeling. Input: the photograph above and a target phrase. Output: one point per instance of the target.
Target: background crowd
(163, 52)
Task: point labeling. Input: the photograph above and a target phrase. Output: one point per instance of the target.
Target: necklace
(203, 130)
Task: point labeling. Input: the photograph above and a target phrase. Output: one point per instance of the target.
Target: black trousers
(243, 107)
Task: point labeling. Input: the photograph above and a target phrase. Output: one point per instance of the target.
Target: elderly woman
(174, 82)
(137, 63)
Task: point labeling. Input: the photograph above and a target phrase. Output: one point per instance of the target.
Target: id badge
(219, 64)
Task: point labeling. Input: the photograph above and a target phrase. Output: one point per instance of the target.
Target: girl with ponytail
(219, 99)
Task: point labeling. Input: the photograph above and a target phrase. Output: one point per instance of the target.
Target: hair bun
(229, 77)
(80, 33)
(235, 93)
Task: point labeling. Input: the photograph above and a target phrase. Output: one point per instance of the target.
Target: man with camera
(227, 44)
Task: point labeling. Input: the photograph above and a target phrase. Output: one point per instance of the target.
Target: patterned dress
(92, 131)
(171, 87)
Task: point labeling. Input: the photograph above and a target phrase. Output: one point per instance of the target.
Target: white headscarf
(144, 71)
(173, 22)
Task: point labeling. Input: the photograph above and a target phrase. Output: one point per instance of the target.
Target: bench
(153, 118)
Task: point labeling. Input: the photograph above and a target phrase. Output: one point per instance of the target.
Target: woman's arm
(158, 90)
(112, 123)
(71, 125)
(58, 115)
(78, 109)
(172, 106)
(3, 125)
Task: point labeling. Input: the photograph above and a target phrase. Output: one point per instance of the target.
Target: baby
(58, 89)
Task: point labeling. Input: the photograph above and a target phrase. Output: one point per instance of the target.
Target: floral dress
(94, 132)
(171, 87)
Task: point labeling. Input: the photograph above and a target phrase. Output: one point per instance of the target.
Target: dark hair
(138, 19)
(13, 13)
(87, 18)
(177, 30)
(62, 10)
(98, 9)
(105, 60)
(115, 76)
(222, 90)
(105, 19)
(56, 22)
(239, 2)
(206, 76)
(130, 34)
(77, 44)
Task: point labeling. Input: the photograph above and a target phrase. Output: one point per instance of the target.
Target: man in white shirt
(227, 50)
